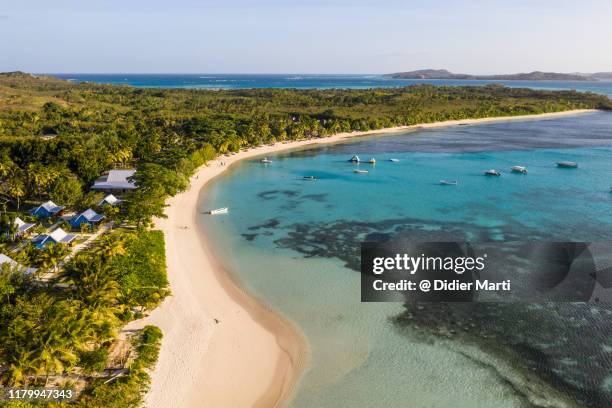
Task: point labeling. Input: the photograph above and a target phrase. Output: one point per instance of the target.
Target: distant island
(529, 76)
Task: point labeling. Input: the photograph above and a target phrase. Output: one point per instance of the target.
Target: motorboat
(372, 161)
(218, 211)
(519, 169)
(567, 165)
(448, 182)
(394, 160)
(355, 159)
(310, 178)
(360, 171)
(492, 172)
(265, 160)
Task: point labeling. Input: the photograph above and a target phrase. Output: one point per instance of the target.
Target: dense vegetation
(57, 137)
(62, 335)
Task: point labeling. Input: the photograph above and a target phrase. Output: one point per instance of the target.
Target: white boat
(360, 171)
(265, 160)
(492, 172)
(394, 160)
(310, 178)
(372, 161)
(567, 165)
(218, 211)
(355, 159)
(448, 182)
(519, 169)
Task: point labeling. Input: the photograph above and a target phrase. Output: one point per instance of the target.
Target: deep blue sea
(295, 243)
(238, 81)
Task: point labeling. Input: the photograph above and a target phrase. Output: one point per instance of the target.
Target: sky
(306, 36)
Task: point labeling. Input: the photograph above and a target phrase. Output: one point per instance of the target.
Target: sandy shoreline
(252, 356)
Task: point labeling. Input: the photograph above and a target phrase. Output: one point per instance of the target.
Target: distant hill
(602, 75)
(529, 76)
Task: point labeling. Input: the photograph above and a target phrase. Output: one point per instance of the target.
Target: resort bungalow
(6, 261)
(23, 228)
(109, 200)
(88, 216)
(115, 181)
(46, 210)
(59, 236)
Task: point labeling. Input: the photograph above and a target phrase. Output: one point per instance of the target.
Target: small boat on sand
(360, 171)
(218, 211)
(448, 182)
(265, 160)
(492, 172)
(519, 169)
(355, 159)
(567, 165)
(394, 160)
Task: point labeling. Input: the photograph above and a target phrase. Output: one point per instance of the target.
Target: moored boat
(394, 160)
(265, 160)
(567, 165)
(372, 161)
(448, 182)
(354, 159)
(223, 210)
(519, 169)
(360, 171)
(310, 178)
(492, 172)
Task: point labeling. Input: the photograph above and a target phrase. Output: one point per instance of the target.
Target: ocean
(242, 81)
(295, 244)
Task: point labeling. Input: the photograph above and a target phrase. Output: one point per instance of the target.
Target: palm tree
(54, 354)
(52, 256)
(16, 189)
(20, 365)
(111, 246)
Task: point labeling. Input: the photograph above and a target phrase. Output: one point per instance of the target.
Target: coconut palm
(20, 364)
(111, 246)
(51, 257)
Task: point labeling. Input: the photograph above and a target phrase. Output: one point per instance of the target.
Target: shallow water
(294, 243)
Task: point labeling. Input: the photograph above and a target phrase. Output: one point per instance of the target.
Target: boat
(310, 178)
(448, 182)
(567, 165)
(360, 171)
(394, 160)
(355, 159)
(223, 210)
(492, 172)
(265, 160)
(519, 169)
(372, 161)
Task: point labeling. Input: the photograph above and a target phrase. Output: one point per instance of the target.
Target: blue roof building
(46, 210)
(59, 236)
(88, 216)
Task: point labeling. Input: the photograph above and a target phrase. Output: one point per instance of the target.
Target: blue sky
(308, 36)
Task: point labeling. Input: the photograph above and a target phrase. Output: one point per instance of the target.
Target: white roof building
(115, 180)
(22, 226)
(110, 200)
(9, 261)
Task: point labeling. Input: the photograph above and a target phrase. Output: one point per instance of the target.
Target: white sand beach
(221, 346)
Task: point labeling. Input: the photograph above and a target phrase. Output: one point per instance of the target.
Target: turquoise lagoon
(294, 243)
